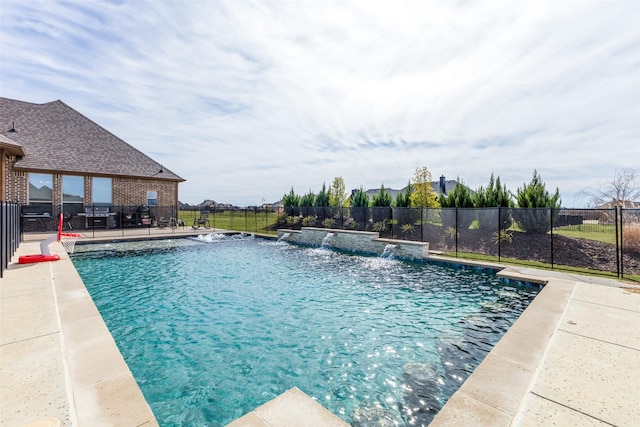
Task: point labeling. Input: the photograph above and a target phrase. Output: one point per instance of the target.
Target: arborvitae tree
(360, 199)
(322, 199)
(403, 199)
(308, 199)
(290, 199)
(535, 195)
(460, 197)
(382, 198)
(494, 196)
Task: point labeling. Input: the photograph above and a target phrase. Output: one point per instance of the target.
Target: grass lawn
(245, 221)
(603, 233)
(540, 265)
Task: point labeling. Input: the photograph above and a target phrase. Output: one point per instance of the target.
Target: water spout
(284, 237)
(389, 251)
(327, 239)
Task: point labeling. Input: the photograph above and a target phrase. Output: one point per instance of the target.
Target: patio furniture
(203, 221)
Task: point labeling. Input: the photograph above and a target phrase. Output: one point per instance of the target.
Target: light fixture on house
(159, 172)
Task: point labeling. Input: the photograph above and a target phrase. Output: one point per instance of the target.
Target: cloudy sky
(245, 99)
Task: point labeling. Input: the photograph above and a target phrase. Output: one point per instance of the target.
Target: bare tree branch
(622, 190)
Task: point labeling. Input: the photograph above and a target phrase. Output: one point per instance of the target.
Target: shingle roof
(56, 138)
(11, 146)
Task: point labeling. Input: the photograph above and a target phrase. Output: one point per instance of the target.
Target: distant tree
(337, 193)
(322, 199)
(422, 194)
(290, 199)
(622, 189)
(403, 199)
(531, 196)
(308, 199)
(383, 198)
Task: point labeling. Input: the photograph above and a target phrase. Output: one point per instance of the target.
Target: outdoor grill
(98, 216)
(35, 215)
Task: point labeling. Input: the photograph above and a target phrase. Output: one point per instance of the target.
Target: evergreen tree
(322, 199)
(290, 199)
(403, 199)
(382, 198)
(531, 198)
(460, 197)
(308, 199)
(360, 199)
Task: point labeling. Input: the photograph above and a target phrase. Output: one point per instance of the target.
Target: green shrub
(379, 226)
(329, 223)
(292, 220)
(408, 228)
(502, 237)
(309, 221)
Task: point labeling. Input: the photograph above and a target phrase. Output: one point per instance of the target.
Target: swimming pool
(211, 331)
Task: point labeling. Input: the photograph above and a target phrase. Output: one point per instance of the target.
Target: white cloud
(246, 99)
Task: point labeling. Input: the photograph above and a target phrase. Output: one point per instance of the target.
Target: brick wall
(15, 182)
(126, 191)
(133, 192)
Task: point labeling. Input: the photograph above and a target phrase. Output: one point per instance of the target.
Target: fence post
(551, 235)
(500, 233)
(621, 258)
(456, 232)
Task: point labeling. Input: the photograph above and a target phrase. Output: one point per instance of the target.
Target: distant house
(54, 156)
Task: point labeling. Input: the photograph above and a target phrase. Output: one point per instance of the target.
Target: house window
(101, 189)
(152, 198)
(72, 194)
(41, 191)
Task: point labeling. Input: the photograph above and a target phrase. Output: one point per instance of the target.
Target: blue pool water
(211, 331)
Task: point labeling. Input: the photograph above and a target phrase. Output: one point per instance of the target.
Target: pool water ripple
(211, 331)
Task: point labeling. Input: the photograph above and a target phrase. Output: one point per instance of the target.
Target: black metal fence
(10, 233)
(45, 218)
(606, 240)
(128, 220)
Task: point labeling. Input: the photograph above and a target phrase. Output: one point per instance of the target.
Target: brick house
(53, 158)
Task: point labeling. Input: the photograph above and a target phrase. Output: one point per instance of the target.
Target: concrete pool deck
(572, 358)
